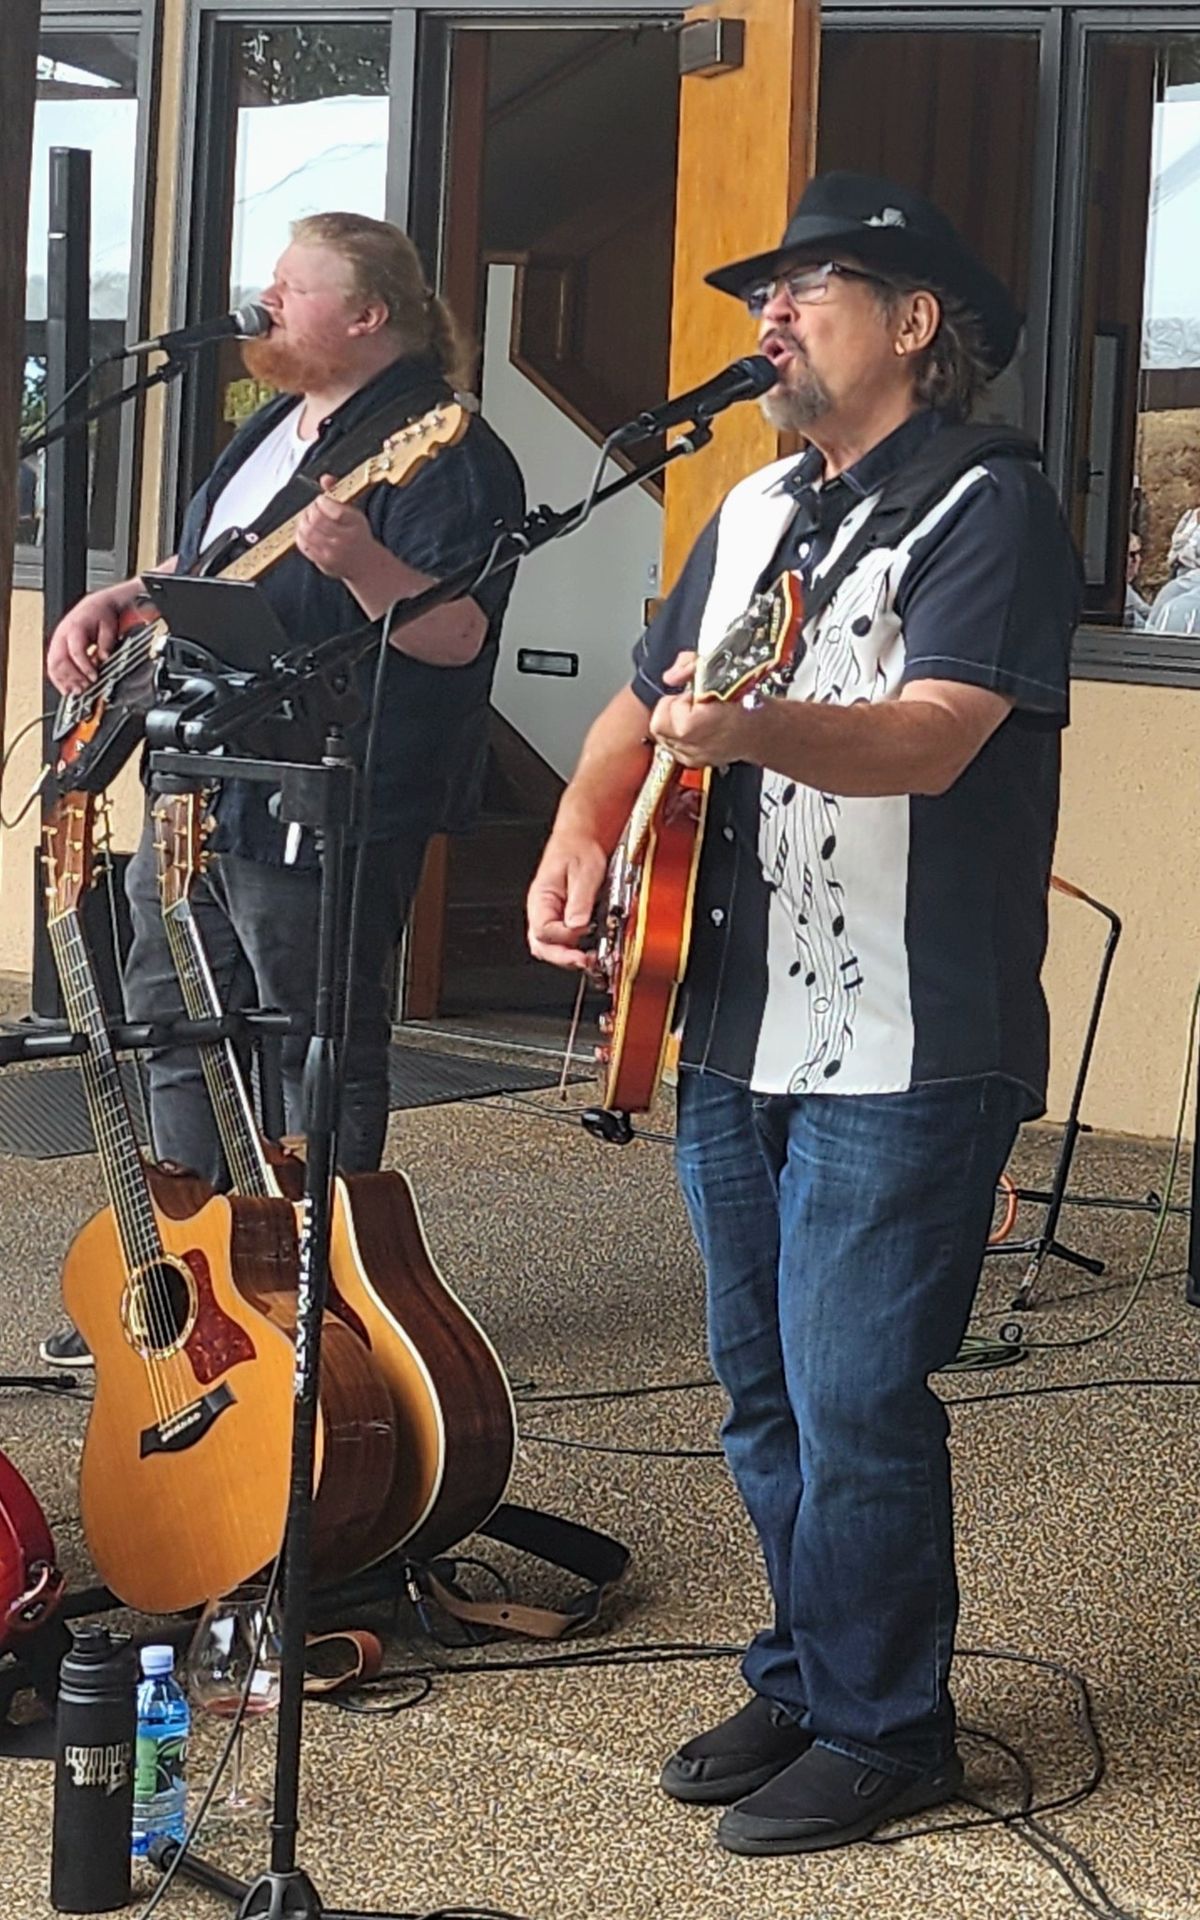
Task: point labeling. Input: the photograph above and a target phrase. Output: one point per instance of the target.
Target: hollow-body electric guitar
(451, 1404)
(186, 1462)
(31, 1585)
(646, 920)
(96, 730)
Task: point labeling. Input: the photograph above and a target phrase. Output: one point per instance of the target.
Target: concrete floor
(534, 1791)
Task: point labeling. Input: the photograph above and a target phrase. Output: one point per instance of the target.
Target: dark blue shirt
(432, 729)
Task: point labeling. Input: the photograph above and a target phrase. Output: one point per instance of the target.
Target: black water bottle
(93, 1773)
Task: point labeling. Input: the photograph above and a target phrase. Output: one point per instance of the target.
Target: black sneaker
(736, 1756)
(826, 1800)
(66, 1348)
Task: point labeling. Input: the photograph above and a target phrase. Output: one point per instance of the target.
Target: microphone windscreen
(252, 321)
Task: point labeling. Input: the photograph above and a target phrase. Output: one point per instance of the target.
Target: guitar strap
(594, 1557)
(346, 453)
(909, 493)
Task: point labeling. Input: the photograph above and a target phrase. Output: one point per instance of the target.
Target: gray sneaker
(67, 1348)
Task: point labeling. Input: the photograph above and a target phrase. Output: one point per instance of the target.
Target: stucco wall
(1129, 834)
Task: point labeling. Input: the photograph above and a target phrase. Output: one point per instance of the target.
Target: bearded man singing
(356, 337)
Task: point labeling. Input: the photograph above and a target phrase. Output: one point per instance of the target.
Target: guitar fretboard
(249, 1168)
(661, 774)
(120, 1156)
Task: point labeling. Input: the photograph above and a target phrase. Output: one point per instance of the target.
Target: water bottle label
(106, 1767)
(159, 1788)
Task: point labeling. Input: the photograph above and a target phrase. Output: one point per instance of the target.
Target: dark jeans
(843, 1237)
(259, 928)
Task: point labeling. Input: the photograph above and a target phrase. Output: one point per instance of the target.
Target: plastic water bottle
(160, 1766)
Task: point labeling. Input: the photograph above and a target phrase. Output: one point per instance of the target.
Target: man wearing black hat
(864, 1025)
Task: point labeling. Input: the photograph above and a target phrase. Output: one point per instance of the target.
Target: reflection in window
(311, 137)
(1136, 469)
(86, 97)
(954, 115)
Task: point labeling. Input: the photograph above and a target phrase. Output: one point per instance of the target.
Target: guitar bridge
(183, 1429)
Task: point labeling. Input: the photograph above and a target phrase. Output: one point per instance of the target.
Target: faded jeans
(843, 1237)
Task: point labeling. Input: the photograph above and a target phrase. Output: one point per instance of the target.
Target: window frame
(417, 84)
(141, 18)
(1068, 32)
(1101, 652)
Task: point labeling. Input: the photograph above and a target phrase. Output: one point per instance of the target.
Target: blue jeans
(842, 1237)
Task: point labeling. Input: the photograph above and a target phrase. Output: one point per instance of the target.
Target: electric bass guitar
(452, 1407)
(96, 730)
(186, 1461)
(646, 919)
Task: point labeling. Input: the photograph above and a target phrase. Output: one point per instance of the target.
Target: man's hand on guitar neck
(84, 637)
(698, 733)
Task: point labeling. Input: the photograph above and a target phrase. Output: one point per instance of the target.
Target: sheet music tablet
(231, 619)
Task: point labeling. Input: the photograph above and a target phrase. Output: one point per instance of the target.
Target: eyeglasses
(803, 285)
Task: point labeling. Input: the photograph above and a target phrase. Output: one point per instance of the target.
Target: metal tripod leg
(1046, 1243)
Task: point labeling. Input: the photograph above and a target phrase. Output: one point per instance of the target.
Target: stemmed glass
(238, 1640)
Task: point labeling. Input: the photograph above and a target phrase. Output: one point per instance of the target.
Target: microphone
(245, 323)
(744, 380)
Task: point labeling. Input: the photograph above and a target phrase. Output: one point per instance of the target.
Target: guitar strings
(111, 1121)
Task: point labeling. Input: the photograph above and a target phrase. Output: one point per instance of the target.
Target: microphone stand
(171, 366)
(321, 797)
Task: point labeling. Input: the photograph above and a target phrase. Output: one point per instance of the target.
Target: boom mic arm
(746, 379)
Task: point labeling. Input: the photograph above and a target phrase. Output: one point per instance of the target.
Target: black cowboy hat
(896, 230)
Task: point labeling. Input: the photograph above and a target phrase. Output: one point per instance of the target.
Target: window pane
(1136, 451)
(312, 128)
(87, 97)
(954, 115)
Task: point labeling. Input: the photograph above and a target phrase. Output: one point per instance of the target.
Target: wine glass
(238, 1640)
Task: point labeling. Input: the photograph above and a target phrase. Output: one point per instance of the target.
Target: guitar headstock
(69, 853)
(403, 454)
(181, 827)
(756, 653)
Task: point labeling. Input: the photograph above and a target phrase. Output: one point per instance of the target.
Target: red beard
(278, 363)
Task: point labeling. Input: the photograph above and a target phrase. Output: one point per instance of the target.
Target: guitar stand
(320, 797)
(1046, 1244)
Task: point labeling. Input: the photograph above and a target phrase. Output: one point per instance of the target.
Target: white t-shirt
(259, 478)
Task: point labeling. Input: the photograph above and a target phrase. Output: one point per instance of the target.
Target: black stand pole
(65, 526)
(1046, 1243)
(321, 798)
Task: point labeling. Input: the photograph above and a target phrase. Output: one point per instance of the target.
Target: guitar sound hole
(158, 1307)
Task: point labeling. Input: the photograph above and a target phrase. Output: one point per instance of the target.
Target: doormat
(44, 1116)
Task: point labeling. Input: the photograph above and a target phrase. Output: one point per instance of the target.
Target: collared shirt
(432, 735)
(870, 944)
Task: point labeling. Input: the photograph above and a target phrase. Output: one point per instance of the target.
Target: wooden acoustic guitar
(646, 920)
(187, 1456)
(95, 731)
(452, 1408)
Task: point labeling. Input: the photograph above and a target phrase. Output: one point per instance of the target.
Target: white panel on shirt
(259, 478)
(837, 1015)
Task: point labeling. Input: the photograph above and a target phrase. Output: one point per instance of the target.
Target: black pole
(65, 535)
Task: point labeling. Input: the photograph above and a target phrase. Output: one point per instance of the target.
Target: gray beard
(792, 409)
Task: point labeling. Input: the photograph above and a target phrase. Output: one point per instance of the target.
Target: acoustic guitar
(646, 919)
(31, 1585)
(97, 729)
(452, 1408)
(186, 1461)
